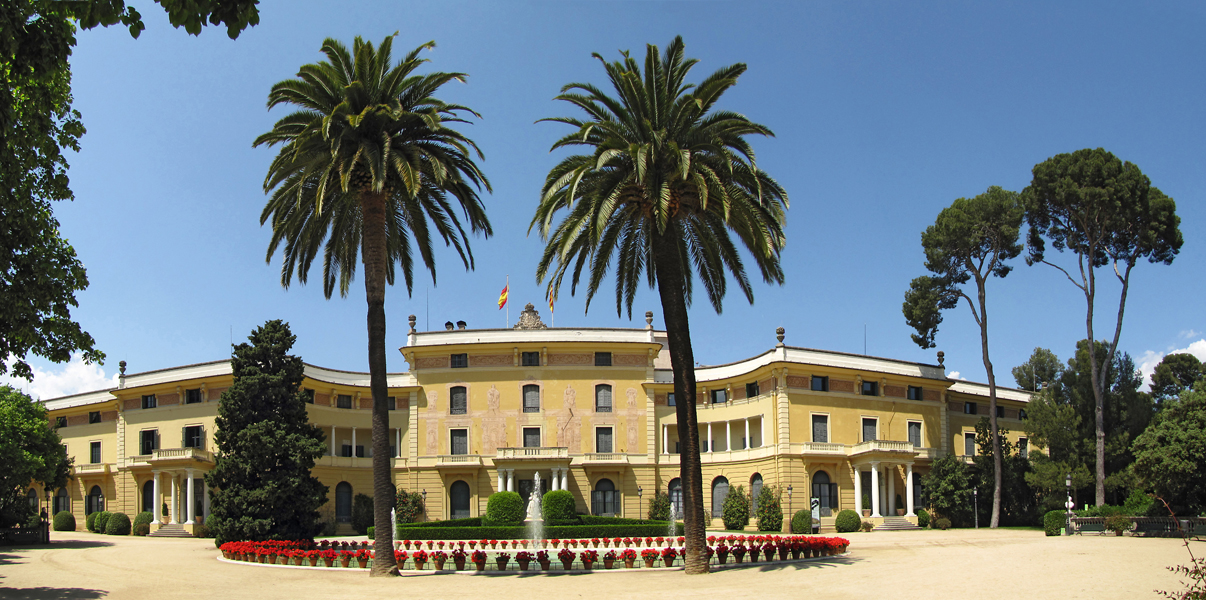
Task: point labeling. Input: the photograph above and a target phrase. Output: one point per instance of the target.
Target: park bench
(1088, 524)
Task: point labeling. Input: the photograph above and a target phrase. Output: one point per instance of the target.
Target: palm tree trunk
(671, 286)
(372, 213)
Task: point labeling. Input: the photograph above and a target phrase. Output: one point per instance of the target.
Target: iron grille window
(870, 388)
(914, 392)
(670, 399)
(460, 441)
(820, 428)
(1023, 447)
(751, 389)
(194, 437)
(531, 437)
(969, 444)
(94, 454)
(460, 361)
(530, 359)
(603, 439)
(149, 401)
(869, 426)
(603, 399)
(94, 417)
(459, 404)
(969, 408)
(915, 433)
(820, 384)
(60, 421)
(148, 441)
(602, 359)
(531, 398)
(343, 401)
(192, 396)
(719, 396)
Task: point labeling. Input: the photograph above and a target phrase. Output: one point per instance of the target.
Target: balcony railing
(542, 452)
(173, 454)
(881, 446)
(92, 468)
(605, 457)
(820, 448)
(459, 460)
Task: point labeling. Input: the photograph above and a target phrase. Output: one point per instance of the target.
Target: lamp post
(1069, 505)
(789, 514)
(976, 504)
(640, 503)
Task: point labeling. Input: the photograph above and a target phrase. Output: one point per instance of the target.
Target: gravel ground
(957, 564)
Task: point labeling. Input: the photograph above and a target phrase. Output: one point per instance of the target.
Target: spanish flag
(502, 298)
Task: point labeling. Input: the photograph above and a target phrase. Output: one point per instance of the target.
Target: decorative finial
(941, 357)
(648, 319)
(411, 320)
(779, 335)
(122, 365)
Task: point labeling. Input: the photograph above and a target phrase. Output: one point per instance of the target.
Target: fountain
(393, 522)
(534, 521)
(673, 520)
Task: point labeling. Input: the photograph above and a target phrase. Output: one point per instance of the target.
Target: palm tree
(368, 165)
(665, 183)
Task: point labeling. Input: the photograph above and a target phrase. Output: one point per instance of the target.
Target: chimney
(448, 325)
(461, 325)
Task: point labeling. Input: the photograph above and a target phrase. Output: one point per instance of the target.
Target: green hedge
(143, 518)
(519, 533)
(118, 524)
(102, 519)
(64, 521)
(801, 522)
(372, 530)
(558, 505)
(90, 521)
(735, 512)
(504, 509)
(847, 521)
(1054, 521)
(923, 518)
(769, 512)
(470, 522)
(142, 529)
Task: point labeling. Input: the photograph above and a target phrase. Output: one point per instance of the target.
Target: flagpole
(508, 288)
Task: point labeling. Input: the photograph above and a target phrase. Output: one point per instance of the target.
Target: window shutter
(184, 437)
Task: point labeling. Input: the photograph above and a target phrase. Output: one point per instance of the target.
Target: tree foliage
(659, 506)
(1106, 212)
(947, 489)
(408, 506)
(1175, 374)
(735, 510)
(30, 450)
(1170, 456)
(266, 446)
(1043, 369)
(665, 179)
(769, 511)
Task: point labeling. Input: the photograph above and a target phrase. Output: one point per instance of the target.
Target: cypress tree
(266, 446)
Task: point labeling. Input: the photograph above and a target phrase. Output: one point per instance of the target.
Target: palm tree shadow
(64, 545)
(828, 563)
(50, 593)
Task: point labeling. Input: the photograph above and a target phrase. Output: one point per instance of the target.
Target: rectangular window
(531, 398)
(459, 404)
(194, 437)
(60, 421)
(869, 427)
(94, 417)
(531, 437)
(530, 359)
(149, 401)
(309, 395)
(359, 451)
(94, 453)
(343, 401)
(670, 399)
(603, 439)
(603, 398)
(148, 441)
(1023, 447)
(1000, 412)
(192, 396)
(677, 448)
(345, 450)
(969, 444)
(820, 428)
(915, 433)
(914, 392)
(719, 396)
(820, 384)
(870, 388)
(459, 361)
(391, 403)
(969, 408)
(602, 359)
(1022, 414)
(460, 441)
(751, 389)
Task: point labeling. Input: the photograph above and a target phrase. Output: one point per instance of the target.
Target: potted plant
(429, 543)
(866, 505)
(768, 551)
(363, 556)
(566, 556)
(739, 553)
(1118, 523)
(900, 507)
(555, 542)
(650, 555)
(501, 559)
(479, 560)
(755, 552)
(668, 556)
(609, 559)
(523, 558)
(458, 558)
(616, 542)
(439, 558)
(420, 559)
(472, 544)
(542, 557)
(649, 542)
(345, 558)
(629, 557)
(722, 554)
(406, 544)
(595, 542)
(660, 540)
(493, 544)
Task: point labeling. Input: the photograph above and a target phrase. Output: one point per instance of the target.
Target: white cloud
(73, 378)
(1189, 334)
(955, 375)
(1149, 360)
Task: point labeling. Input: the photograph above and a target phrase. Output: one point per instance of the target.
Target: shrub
(118, 524)
(923, 518)
(143, 518)
(1118, 523)
(659, 507)
(1138, 503)
(769, 513)
(558, 505)
(735, 512)
(1053, 522)
(847, 521)
(34, 520)
(142, 529)
(408, 506)
(90, 521)
(64, 521)
(504, 508)
(900, 505)
(362, 513)
(801, 522)
(942, 523)
(203, 531)
(866, 501)
(102, 519)
(867, 526)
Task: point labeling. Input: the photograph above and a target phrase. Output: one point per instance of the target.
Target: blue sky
(884, 113)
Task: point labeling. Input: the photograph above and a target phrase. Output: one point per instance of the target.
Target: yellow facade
(589, 410)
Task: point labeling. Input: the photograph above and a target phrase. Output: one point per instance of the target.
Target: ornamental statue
(530, 319)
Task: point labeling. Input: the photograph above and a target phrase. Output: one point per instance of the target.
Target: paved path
(962, 564)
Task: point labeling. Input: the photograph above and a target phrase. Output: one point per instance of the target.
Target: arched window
(603, 500)
(459, 403)
(460, 500)
(62, 501)
(148, 496)
(603, 398)
(531, 398)
(676, 495)
(824, 491)
(343, 502)
(755, 489)
(95, 500)
(720, 490)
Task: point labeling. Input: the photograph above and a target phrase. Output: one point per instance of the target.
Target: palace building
(591, 410)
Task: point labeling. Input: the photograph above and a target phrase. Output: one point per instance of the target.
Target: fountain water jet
(673, 520)
(534, 520)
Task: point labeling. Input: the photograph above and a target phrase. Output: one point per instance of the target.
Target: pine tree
(266, 446)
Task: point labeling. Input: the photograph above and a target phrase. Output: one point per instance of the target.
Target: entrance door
(720, 490)
(603, 499)
(148, 497)
(343, 502)
(460, 500)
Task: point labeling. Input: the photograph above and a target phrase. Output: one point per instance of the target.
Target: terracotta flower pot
(344, 560)
(501, 563)
(866, 512)
(523, 564)
(363, 562)
(722, 559)
(460, 563)
(783, 552)
(649, 562)
(628, 564)
(609, 563)
(768, 553)
(313, 561)
(668, 560)
(739, 558)
(327, 561)
(544, 565)
(439, 564)
(419, 564)
(587, 565)
(567, 564)
(481, 566)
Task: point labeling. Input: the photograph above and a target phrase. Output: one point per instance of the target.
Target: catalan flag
(502, 298)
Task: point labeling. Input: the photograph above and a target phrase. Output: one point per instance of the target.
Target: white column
(191, 509)
(891, 472)
(710, 445)
(565, 478)
(158, 499)
(762, 442)
(353, 442)
(398, 442)
(875, 490)
(747, 443)
(858, 491)
(665, 439)
(500, 480)
(332, 440)
(909, 490)
(175, 510)
(510, 480)
(728, 436)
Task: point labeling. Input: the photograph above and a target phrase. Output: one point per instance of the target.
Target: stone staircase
(170, 531)
(896, 524)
